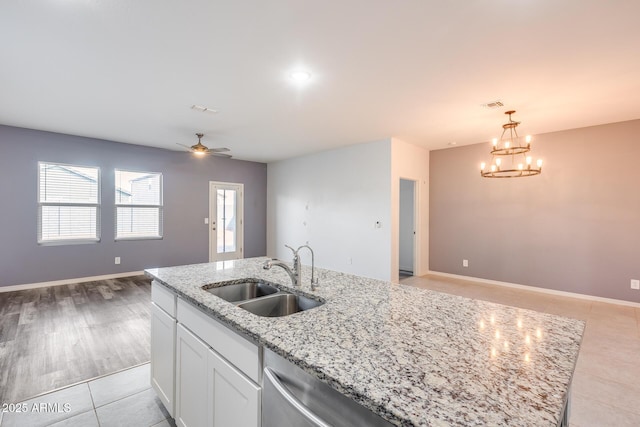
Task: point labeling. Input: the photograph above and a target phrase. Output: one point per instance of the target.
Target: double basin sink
(262, 298)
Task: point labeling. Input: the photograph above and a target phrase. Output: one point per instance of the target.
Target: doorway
(226, 224)
(407, 232)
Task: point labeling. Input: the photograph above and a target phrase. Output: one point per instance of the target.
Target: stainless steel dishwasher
(293, 398)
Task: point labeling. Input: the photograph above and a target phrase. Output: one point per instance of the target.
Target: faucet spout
(314, 281)
(293, 275)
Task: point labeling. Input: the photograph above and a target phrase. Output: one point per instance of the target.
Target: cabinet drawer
(164, 298)
(242, 353)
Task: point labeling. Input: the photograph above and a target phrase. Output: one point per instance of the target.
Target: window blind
(68, 203)
(138, 205)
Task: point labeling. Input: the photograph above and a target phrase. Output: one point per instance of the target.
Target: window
(138, 205)
(68, 203)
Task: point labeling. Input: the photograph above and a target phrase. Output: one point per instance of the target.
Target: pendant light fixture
(510, 155)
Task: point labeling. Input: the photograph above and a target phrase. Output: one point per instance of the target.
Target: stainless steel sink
(247, 290)
(280, 304)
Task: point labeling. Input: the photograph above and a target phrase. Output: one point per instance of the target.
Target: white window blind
(68, 203)
(138, 205)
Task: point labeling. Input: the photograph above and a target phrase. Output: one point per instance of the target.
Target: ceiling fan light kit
(200, 149)
(510, 155)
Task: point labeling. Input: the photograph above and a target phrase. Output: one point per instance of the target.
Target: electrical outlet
(635, 284)
(465, 263)
(117, 260)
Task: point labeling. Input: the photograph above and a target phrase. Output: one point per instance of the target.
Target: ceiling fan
(202, 150)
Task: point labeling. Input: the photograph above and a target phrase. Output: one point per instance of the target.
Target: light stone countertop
(414, 356)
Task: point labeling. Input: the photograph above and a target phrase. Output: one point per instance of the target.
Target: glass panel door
(225, 200)
(226, 220)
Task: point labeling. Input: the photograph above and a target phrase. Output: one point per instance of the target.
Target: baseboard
(68, 281)
(536, 289)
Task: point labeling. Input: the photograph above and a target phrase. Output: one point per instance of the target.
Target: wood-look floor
(60, 335)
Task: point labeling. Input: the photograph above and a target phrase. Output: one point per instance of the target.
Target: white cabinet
(241, 352)
(192, 404)
(235, 398)
(205, 374)
(209, 390)
(163, 342)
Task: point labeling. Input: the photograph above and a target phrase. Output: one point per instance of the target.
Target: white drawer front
(164, 298)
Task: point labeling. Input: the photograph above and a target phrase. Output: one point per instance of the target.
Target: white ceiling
(419, 70)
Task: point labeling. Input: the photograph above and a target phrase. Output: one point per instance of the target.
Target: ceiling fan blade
(218, 154)
(182, 145)
(219, 149)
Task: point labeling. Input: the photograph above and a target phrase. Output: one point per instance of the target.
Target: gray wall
(575, 227)
(186, 194)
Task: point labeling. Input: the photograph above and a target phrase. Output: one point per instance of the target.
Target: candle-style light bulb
(483, 165)
(493, 168)
(498, 162)
(520, 166)
(527, 138)
(539, 163)
(507, 144)
(495, 142)
(528, 160)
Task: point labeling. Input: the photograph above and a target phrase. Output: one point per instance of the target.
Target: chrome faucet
(296, 273)
(314, 281)
(292, 274)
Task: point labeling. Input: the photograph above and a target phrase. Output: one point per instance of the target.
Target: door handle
(294, 401)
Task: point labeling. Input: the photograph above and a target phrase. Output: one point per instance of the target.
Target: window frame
(159, 206)
(70, 241)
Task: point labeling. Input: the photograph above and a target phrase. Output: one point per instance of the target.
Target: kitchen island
(413, 356)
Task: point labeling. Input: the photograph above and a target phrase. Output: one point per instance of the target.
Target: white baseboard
(536, 289)
(68, 281)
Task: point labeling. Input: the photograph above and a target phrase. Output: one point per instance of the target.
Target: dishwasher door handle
(294, 401)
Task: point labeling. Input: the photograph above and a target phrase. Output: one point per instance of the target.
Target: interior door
(226, 220)
(407, 228)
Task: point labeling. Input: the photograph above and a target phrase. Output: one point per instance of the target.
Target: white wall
(410, 162)
(332, 200)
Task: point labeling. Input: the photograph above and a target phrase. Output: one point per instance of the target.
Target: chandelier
(510, 157)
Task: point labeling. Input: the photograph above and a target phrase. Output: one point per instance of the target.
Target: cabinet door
(163, 341)
(192, 405)
(235, 398)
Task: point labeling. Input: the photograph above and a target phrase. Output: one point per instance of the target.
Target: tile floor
(606, 383)
(121, 399)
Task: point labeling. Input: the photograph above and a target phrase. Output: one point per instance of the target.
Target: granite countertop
(416, 357)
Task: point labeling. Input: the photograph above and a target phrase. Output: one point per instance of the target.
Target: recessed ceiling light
(452, 143)
(300, 76)
(203, 109)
